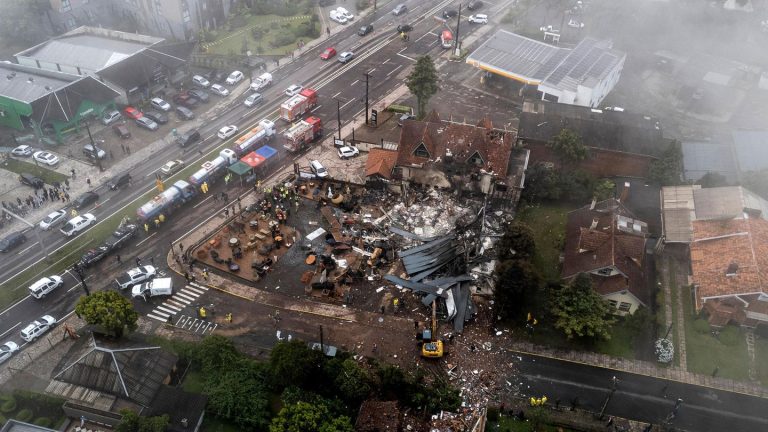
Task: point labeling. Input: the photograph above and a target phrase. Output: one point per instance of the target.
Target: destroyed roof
(380, 162)
(426, 259)
(605, 235)
(64, 103)
(137, 69)
(127, 368)
(484, 148)
(178, 405)
(605, 129)
(378, 416)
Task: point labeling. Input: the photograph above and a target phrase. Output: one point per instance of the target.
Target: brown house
(620, 144)
(605, 241)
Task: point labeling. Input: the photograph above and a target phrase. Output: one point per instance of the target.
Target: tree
(712, 179)
(293, 363)
(516, 243)
(21, 21)
(579, 310)
(239, 393)
(215, 353)
(668, 170)
(604, 189)
(132, 422)
(353, 383)
(569, 147)
(541, 184)
(422, 82)
(306, 417)
(517, 285)
(109, 310)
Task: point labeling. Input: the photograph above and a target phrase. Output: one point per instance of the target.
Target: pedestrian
(18, 200)
(375, 348)
(88, 181)
(186, 276)
(152, 260)
(73, 174)
(138, 261)
(226, 212)
(415, 325)
(111, 155)
(122, 147)
(118, 259)
(664, 390)
(157, 223)
(200, 152)
(229, 317)
(181, 247)
(328, 31)
(127, 149)
(382, 309)
(205, 274)
(66, 196)
(146, 228)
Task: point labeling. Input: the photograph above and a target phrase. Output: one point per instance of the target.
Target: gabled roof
(27, 84)
(443, 139)
(139, 68)
(62, 104)
(380, 162)
(179, 405)
(605, 235)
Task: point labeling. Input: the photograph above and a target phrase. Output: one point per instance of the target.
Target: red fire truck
(302, 133)
(298, 105)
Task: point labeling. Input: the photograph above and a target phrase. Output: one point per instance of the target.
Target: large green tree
(353, 382)
(21, 21)
(668, 170)
(306, 417)
(422, 82)
(109, 310)
(569, 147)
(239, 392)
(516, 243)
(517, 285)
(293, 363)
(132, 422)
(579, 311)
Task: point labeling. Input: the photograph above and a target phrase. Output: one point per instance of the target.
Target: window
(476, 160)
(605, 271)
(421, 151)
(613, 303)
(625, 307)
(65, 6)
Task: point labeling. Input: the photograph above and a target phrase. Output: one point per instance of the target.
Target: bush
(24, 415)
(701, 326)
(493, 413)
(257, 33)
(282, 39)
(43, 422)
(8, 406)
(730, 336)
(402, 109)
(3, 419)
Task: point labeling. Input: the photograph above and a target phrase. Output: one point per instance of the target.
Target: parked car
(156, 116)
(199, 94)
(135, 276)
(92, 256)
(478, 19)
(160, 104)
(30, 180)
(122, 131)
(293, 90)
(36, 328)
(185, 100)
(188, 138)
(121, 235)
(346, 56)
(12, 241)
(46, 158)
(93, 152)
(575, 23)
(216, 75)
(364, 30)
(235, 77)
(132, 113)
(53, 219)
(227, 132)
(86, 199)
(110, 117)
(475, 5)
(147, 123)
(348, 152)
(404, 28)
(345, 13)
(254, 99)
(327, 54)
(77, 224)
(7, 350)
(23, 151)
(339, 18)
(200, 81)
(318, 169)
(220, 90)
(399, 9)
(43, 286)
(450, 13)
(172, 167)
(119, 181)
(184, 113)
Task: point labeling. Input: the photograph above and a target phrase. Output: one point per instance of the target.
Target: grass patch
(548, 224)
(18, 167)
(511, 424)
(621, 342)
(276, 36)
(194, 381)
(761, 353)
(727, 353)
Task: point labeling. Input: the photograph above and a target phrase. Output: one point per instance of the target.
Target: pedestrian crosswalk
(168, 311)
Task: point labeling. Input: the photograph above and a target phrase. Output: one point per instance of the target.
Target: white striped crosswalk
(168, 310)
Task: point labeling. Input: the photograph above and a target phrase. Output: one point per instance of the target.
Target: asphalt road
(639, 397)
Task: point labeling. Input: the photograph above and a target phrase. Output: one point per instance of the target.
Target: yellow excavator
(431, 346)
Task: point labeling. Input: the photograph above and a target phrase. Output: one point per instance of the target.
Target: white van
(264, 80)
(318, 169)
(155, 287)
(45, 285)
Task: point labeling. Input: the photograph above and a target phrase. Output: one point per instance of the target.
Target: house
(605, 241)
(620, 143)
(581, 76)
(726, 231)
(380, 164)
(18, 426)
(473, 158)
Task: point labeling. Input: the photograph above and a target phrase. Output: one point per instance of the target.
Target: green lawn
(18, 167)
(620, 344)
(271, 27)
(761, 353)
(548, 224)
(511, 424)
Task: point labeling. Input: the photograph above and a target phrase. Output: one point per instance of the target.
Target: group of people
(55, 193)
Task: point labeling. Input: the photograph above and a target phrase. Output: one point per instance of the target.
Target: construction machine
(431, 346)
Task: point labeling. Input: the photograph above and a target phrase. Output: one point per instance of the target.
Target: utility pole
(614, 382)
(37, 234)
(457, 49)
(95, 151)
(367, 74)
(338, 115)
(79, 272)
(322, 347)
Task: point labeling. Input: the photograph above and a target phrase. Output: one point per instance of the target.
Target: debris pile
(433, 214)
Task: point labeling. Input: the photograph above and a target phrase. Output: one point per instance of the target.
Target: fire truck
(302, 133)
(298, 105)
(446, 39)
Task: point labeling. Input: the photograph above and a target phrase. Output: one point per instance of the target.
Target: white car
(45, 157)
(77, 224)
(45, 285)
(219, 90)
(234, 78)
(160, 104)
(293, 90)
(6, 350)
(172, 167)
(36, 328)
(227, 131)
(339, 18)
(478, 19)
(135, 275)
(575, 24)
(348, 152)
(345, 13)
(52, 219)
(200, 81)
(23, 150)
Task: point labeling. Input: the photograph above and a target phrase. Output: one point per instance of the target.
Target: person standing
(88, 181)
(138, 261)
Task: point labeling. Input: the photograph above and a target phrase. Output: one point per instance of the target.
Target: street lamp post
(367, 74)
(36, 232)
(338, 115)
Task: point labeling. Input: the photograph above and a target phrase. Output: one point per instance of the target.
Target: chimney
(594, 224)
(624, 192)
(733, 269)
(594, 203)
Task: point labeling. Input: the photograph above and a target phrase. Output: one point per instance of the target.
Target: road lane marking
(394, 70)
(10, 330)
(334, 96)
(150, 236)
(354, 82)
(22, 252)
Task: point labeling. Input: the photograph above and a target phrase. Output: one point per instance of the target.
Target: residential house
(606, 241)
(620, 143)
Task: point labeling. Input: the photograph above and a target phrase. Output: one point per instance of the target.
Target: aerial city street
(370, 215)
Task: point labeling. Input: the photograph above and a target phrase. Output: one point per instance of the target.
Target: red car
(132, 113)
(328, 53)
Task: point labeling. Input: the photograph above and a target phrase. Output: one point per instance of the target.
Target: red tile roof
(461, 141)
(380, 162)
